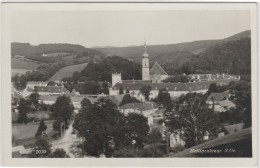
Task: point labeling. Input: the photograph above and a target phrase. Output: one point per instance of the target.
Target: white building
(147, 109)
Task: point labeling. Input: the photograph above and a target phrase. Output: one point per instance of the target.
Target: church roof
(157, 69)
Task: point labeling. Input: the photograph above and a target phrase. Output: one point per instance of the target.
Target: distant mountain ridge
(35, 52)
(162, 53)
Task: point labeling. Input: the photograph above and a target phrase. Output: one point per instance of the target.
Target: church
(154, 77)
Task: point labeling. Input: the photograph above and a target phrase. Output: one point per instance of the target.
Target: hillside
(67, 71)
(232, 57)
(157, 52)
(53, 52)
(171, 52)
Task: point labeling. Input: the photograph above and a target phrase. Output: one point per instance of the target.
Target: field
(67, 71)
(22, 131)
(21, 66)
(24, 64)
(19, 71)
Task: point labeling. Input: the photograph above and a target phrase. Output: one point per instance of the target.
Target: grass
(67, 71)
(24, 64)
(18, 71)
(23, 131)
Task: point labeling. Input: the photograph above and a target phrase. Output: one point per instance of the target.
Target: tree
(127, 91)
(105, 88)
(214, 88)
(154, 136)
(128, 99)
(165, 99)
(194, 117)
(145, 90)
(137, 129)
(98, 124)
(58, 153)
(121, 90)
(75, 76)
(23, 109)
(91, 88)
(41, 129)
(177, 79)
(34, 97)
(241, 94)
(63, 108)
(41, 149)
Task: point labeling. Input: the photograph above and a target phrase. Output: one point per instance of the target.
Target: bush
(124, 153)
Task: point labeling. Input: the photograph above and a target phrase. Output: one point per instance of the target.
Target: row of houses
(174, 89)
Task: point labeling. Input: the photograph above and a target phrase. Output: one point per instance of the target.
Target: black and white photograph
(130, 81)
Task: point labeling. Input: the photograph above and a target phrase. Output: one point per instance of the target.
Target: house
(174, 89)
(234, 128)
(46, 90)
(176, 139)
(147, 109)
(32, 84)
(220, 101)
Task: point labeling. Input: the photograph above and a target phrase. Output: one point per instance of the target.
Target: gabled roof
(139, 106)
(157, 69)
(226, 103)
(234, 128)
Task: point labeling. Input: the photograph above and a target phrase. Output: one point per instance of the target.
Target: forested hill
(35, 52)
(102, 71)
(171, 52)
(232, 57)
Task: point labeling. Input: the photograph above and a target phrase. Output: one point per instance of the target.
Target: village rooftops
(116, 99)
(49, 89)
(139, 106)
(37, 83)
(136, 81)
(193, 86)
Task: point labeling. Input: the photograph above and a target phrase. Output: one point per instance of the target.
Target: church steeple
(145, 49)
(145, 64)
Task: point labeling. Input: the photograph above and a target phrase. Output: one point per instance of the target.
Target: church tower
(145, 64)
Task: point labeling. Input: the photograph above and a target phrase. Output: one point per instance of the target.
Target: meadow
(22, 65)
(22, 131)
(67, 71)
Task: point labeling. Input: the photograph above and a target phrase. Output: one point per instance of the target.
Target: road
(66, 141)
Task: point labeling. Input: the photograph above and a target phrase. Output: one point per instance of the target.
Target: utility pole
(168, 142)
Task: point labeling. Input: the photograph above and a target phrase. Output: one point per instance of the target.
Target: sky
(125, 28)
